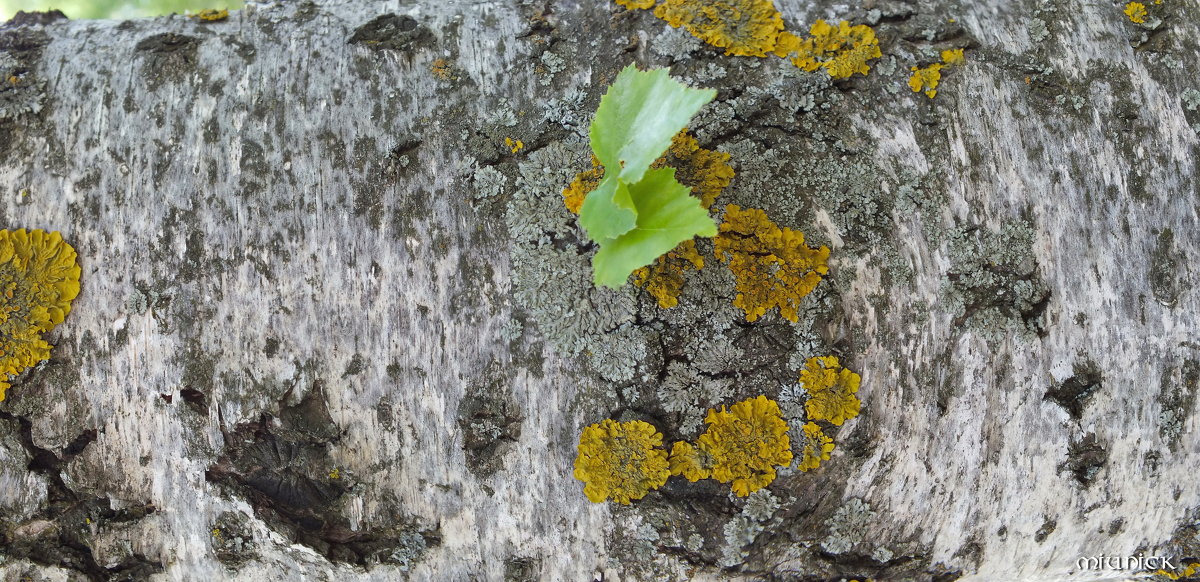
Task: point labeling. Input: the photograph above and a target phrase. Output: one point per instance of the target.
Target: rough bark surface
(333, 326)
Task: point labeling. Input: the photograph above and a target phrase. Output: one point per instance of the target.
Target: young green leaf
(608, 211)
(637, 118)
(667, 214)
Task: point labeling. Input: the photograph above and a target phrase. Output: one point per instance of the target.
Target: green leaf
(637, 118)
(608, 211)
(667, 214)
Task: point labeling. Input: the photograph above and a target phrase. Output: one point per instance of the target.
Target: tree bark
(335, 321)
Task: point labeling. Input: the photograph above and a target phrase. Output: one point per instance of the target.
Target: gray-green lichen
(761, 505)
(992, 284)
(1177, 396)
(688, 392)
(674, 43)
(1190, 99)
(848, 526)
(552, 275)
(741, 531)
(1166, 282)
(489, 182)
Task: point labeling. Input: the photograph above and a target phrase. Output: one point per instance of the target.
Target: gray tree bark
(333, 325)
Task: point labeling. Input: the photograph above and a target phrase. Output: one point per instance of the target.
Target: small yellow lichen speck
(1136, 11)
(513, 145)
(841, 50)
(747, 28)
(39, 277)
(636, 4)
(336, 473)
(772, 265)
(621, 460)
(831, 390)
(746, 443)
(815, 448)
(212, 15)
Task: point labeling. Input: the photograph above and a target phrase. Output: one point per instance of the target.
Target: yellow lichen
(831, 390)
(772, 265)
(841, 50)
(953, 57)
(1136, 11)
(513, 145)
(583, 183)
(212, 15)
(690, 462)
(815, 448)
(663, 278)
(636, 4)
(746, 443)
(742, 27)
(1186, 573)
(441, 68)
(38, 279)
(706, 172)
(621, 460)
(926, 79)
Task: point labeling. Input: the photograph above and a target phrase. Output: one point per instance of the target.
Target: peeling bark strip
(332, 326)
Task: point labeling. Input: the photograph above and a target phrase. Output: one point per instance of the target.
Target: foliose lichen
(741, 27)
(831, 390)
(848, 526)
(773, 266)
(746, 443)
(621, 460)
(842, 50)
(39, 277)
(815, 447)
(993, 285)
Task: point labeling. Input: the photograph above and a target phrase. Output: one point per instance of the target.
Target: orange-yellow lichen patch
(663, 278)
(747, 28)
(583, 183)
(690, 462)
(1136, 11)
(746, 443)
(772, 265)
(953, 57)
(38, 279)
(706, 172)
(1186, 573)
(815, 447)
(441, 68)
(513, 145)
(212, 15)
(621, 460)
(841, 50)
(636, 4)
(831, 390)
(926, 79)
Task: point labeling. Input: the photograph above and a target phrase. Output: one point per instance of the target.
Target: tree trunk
(336, 322)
